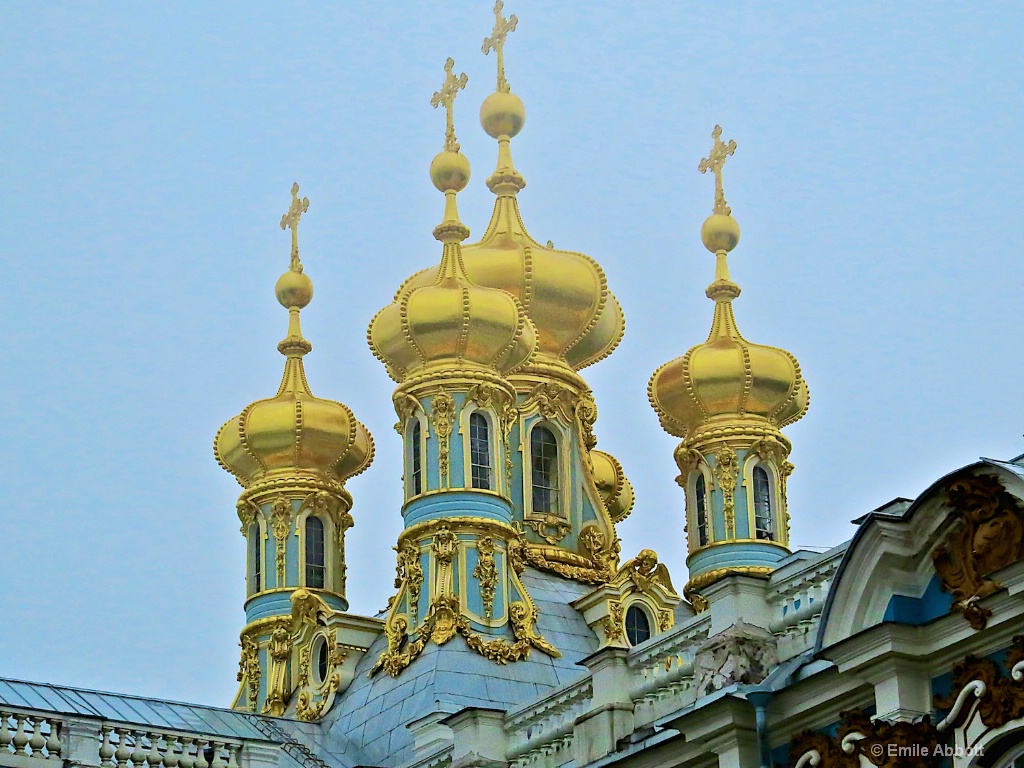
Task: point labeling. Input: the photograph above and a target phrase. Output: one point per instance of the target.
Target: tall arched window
(316, 568)
(417, 459)
(701, 504)
(255, 555)
(638, 627)
(544, 457)
(763, 528)
(480, 451)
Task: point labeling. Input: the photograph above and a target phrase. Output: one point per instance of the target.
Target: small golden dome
(613, 485)
(502, 114)
(294, 435)
(447, 322)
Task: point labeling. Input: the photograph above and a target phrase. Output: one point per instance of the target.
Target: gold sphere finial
(720, 232)
(502, 113)
(294, 288)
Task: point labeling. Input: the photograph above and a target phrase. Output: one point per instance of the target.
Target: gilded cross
(714, 162)
(449, 90)
(291, 220)
(496, 42)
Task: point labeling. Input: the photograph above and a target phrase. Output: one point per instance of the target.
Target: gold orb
(720, 232)
(502, 114)
(294, 289)
(449, 171)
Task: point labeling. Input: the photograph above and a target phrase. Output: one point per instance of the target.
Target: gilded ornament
(405, 406)
(279, 651)
(1002, 698)
(645, 571)
(281, 525)
(878, 742)
(486, 572)
(249, 670)
(727, 472)
(446, 96)
(665, 621)
(410, 573)
(586, 415)
(552, 399)
(247, 513)
(290, 220)
(988, 534)
(550, 527)
(442, 414)
(615, 622)
(509, 416)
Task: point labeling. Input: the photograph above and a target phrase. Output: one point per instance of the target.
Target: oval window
(638, 627)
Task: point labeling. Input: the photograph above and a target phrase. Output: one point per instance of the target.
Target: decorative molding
(249, 670)
(281, 525)
(442, 416)
(550, 527)
(552, 399)
(586, 414)
(615, 622)
(726, 473)
(409, 572)
(279, 652)
(486, 572)
(405, 406)
(988, 535)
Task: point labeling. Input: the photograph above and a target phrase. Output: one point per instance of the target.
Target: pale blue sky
(146, 153)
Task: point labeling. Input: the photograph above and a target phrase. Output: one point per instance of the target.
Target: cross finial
(291, 220)
(496, 42)
(714, 162)
(449, 90)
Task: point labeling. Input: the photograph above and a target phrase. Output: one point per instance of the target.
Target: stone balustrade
(29, 737)
(796, 601)
(540, 735)
(663, 670)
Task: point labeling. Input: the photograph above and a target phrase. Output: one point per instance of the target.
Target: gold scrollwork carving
(509, 416)
(409, 572)
(550, 528)
(281, 525)
(586, 414)
(442, 414)
(249, 669)
(486, 572)
(247, 513)
(726, 472)
(988, 535)
(880, 742)
(279, 651)
(552, 399)
(1003, 698)
(444, 546)
(311, 704)
(444, 621)
(405, 406)
(615, 621)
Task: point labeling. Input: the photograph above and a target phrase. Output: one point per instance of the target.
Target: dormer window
(763, 527)
(638, 626)
(544, 470)
(701, 507)
(480, 451)
(316, 568)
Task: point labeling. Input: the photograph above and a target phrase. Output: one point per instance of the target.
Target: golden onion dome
(613, 485)
(447, 321)
(578, 319)
(726, 382)
(294, 434)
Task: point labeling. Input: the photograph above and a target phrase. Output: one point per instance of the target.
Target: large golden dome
(294, 435)
(578, 319)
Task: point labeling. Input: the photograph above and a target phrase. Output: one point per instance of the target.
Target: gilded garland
(486, 572)
(727, 471)
(442, 414)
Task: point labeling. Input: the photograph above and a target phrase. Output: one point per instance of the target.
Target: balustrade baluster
(37, 741)
(233, 754)
(153, 757)
(5, 732)
(201, 761)
(122, 753)
(138, 755)
(20, 737)
(187, 759)
(172, 753)
(53, 741)
(218, 760)
(106, 748)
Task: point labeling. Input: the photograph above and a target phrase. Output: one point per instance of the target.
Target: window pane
(417, 460)
(479, 451)
(315, 565)
(701, 503)
(638, 628)
(544, 472)
(256, 547)
(762, 505)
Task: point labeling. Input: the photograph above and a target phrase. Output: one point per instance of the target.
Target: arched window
(1014, 758)
(480, 451)
(638, 627)
(316, 569)
(701, 504)
(763, 528)
(322, 658)
(255, 555)
(417, 459)
(544, 456)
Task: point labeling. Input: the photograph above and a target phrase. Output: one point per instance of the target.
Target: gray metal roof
(135, 710)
